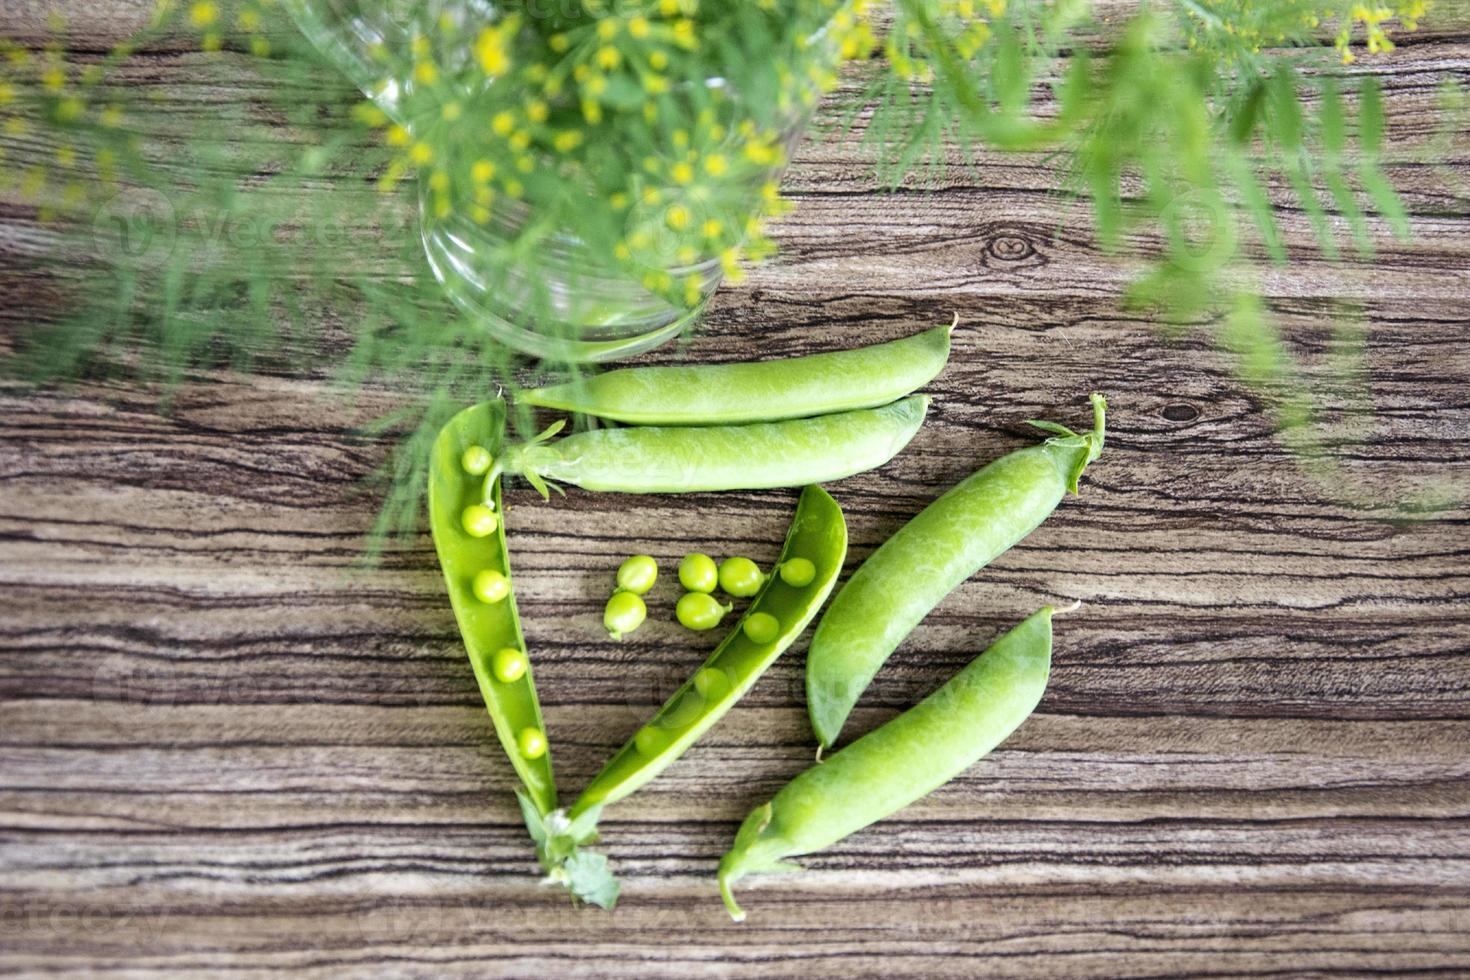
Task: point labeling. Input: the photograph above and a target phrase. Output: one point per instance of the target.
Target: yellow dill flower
(421, 153)
(492, 50)
(451, 111)
(567, 140)
(607, 28)
(655, 84)
(677, 217)
(426, 72)
(638, 27)
(66, 156)
(608, 57)
(503, 122)
(715, 164)
(439, 181)
(618, 200)
(682, 173)
(658, 61)
(53, 78)
(520, 139)
(525, 164)
(712, 228)
(514, 188)
(622, 252)
(203, 13)
(537, 111)
(482, 172)
(260, 47)
(559, 42)
(69, 109)
(212, 41)
(592, 112)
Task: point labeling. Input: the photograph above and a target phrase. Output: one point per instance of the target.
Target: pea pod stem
(654, 459)
(819, 534)
(721, 394)
(900, 762)
(946, 543)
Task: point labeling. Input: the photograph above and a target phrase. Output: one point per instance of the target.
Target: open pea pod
(776, 617)
(476, 565)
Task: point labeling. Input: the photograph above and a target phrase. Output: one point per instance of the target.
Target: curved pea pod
(715, 394)
(819, 534)
(654, 459)
(904, 760)
(946, 543)
(487, 627)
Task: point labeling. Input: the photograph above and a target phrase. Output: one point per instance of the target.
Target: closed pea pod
(721, 457)
(721, 394)
(819, 534)
(927, 558)
(477, 573)
(900, 762)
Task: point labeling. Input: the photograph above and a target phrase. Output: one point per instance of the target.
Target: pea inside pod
(721, 394)
(778, 614)
(654, 459)
(476, 570)
(900, 762)
(947, 542)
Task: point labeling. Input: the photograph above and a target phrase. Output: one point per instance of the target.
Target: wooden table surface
(225, 750)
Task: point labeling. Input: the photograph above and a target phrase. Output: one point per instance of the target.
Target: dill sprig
(288, 226)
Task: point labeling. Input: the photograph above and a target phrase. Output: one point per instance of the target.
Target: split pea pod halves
(891, 767)
(713, 394)
(945, 544)
(776, 617)
(468, 525)
(686, 459)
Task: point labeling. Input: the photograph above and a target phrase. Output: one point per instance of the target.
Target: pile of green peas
(698, 609)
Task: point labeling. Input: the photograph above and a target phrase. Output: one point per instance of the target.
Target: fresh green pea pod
(721, 394)
(900, 762)
(653, 459)
(947, 542)
(781, 611)
(487, 627)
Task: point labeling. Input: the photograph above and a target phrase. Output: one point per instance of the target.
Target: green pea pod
(721, 394)
(904, 760)
(947, 542)
(653, 459)
(819, 535)
(487, 627)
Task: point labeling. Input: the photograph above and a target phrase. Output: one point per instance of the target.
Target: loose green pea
(761, 627)
(637, 574)
(509, 665)
(741, 577)
(698, 573)
(700, 611)
(476, 460)
(479, 521)
(532, 743)
(798, 572)
(625, 612)
(491, 586)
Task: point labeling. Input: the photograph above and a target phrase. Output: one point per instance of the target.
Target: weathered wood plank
(225, 747)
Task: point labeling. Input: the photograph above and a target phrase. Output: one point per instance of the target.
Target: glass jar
(586, 307)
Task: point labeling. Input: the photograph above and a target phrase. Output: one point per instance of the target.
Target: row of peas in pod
(890, 593)
(698, 609)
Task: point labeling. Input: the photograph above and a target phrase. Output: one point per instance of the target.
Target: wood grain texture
(224, 748)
